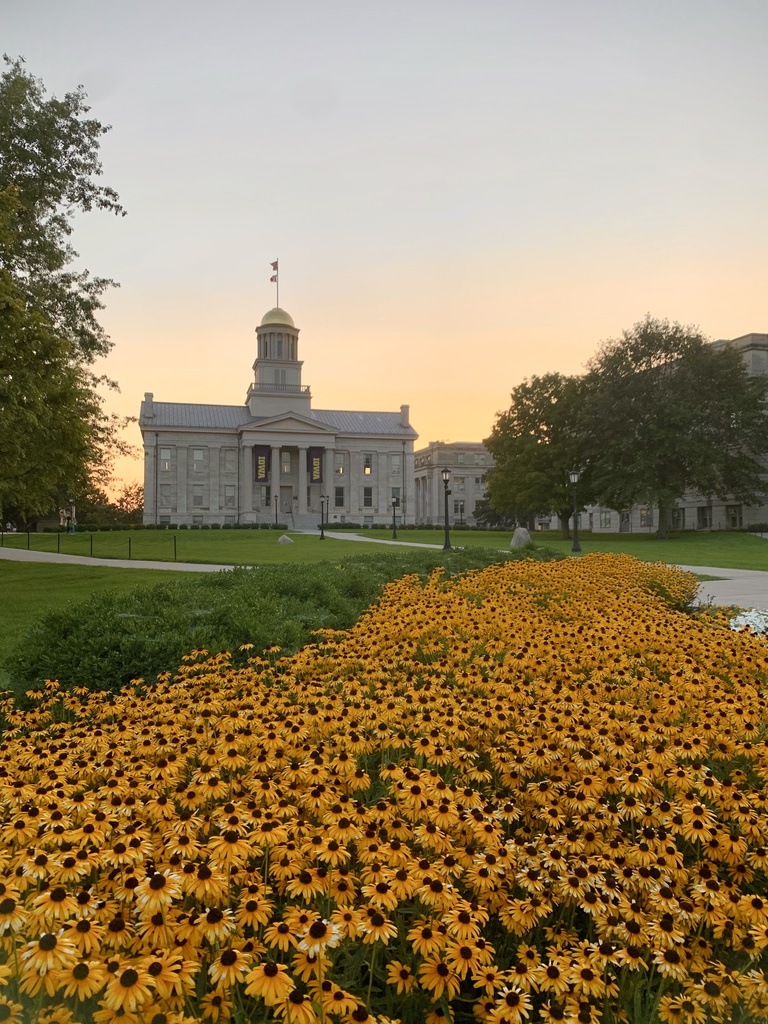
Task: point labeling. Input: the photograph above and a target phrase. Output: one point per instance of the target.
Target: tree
(535, 444)
(54, 432)
(665, 413)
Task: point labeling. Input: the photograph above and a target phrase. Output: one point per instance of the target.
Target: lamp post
(446, 475)
(574, 476)
(394, 518)
(323, 500)
(276, 511)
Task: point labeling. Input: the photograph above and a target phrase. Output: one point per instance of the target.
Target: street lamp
(323, 500)
(446, 475)
(275, 511)
(574, 476)
(394, 518)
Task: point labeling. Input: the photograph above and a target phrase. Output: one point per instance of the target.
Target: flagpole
(277, 283)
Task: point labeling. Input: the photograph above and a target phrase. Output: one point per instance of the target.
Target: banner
(315, 465)
(261, 459)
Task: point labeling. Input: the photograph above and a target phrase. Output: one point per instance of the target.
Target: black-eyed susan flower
(269, 981)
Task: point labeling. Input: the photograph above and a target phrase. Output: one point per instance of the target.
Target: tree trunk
(661, 532)
(564, 515)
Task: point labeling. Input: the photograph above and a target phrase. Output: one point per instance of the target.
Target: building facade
(468, 462)
(274, 458)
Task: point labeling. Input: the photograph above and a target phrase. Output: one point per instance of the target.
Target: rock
(520, 538)
(283, 539)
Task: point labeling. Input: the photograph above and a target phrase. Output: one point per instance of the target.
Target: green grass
(218, 547)
(722, 549)
(30, 589)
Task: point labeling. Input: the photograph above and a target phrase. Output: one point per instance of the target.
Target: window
(338, 464)
(733, 516)
(460, 458)
(197, 520)
(165, 520)
(229, 520)
(229, 460)
(165, 494)
(165, 460)
(457, 484)
(266, 495)
(367, 463)
(198, 459)
(605, 520)
(229, 496)
(646, 517)
(367, 520)
(338, 497)
(396, 496)
(458, 508)
(479, 458)
(703, 517)
(395, 463)
(197, 495)
(678, 518)
(280, 377)
(367, 497)
(285, 462)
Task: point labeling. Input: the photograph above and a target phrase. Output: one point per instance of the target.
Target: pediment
(289, 423)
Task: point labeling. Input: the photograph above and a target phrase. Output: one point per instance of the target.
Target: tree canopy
(667, 413)
(535, 444)
(659, 413)
(54, 432)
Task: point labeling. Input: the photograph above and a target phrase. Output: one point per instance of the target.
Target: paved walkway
(747, 588)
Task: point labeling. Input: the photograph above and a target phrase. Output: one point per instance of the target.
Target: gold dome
(277, 316)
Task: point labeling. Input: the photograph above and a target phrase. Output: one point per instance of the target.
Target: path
(747, 588)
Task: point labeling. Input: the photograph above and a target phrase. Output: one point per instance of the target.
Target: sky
(460, 195)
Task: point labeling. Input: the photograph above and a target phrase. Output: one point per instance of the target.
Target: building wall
(468, 462)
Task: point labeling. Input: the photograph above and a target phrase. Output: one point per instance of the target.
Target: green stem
(370, 976)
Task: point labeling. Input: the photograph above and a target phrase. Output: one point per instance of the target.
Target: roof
(277, 316)
(233, 417)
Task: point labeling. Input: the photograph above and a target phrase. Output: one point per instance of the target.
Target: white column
(302, 509)
(246, 478)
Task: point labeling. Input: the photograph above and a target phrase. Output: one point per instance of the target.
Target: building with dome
(274, 457)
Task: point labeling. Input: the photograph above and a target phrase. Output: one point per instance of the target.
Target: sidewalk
(747, 588)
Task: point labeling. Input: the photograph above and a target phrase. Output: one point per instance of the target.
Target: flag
(274, 265)
(273, 279)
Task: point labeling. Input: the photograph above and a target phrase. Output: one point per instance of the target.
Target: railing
(280, 388)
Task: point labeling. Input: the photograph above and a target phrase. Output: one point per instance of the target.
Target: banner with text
(315, 465)
(261, 459)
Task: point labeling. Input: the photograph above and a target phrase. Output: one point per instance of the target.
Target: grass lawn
(29, 589)
(223, 547)
(722, 549)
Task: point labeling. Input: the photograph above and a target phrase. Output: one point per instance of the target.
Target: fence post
(58, 543)
(28, 535)
(91, 545)
(129, 547)
(174, 547)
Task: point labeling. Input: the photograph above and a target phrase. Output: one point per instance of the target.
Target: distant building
(468, 462)
(275, 456)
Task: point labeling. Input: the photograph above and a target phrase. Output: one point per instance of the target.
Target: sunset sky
(460, 195)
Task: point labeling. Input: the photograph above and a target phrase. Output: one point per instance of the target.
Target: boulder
(520, 538)
(283, 539)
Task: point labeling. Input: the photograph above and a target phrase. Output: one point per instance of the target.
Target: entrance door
(624, 522)
(286, 499)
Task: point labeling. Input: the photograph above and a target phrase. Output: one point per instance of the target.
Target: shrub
(112, 638)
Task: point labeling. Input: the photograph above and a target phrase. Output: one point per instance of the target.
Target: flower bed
(535, 793)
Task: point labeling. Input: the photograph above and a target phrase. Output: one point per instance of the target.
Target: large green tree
(535, 444)
(54, 432)
(666, 413)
